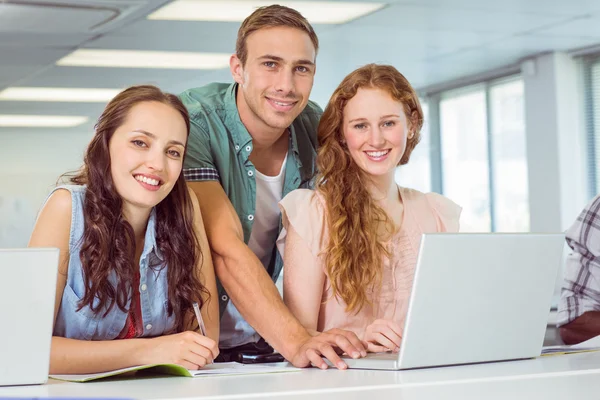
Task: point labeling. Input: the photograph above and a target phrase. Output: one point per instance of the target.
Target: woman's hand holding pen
(189, 349)
(383, 335)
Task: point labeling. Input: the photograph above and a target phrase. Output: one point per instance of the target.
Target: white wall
(30, 164)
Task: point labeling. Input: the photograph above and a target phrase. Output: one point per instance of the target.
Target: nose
(377, 139)
(156, 160)
(285, 81)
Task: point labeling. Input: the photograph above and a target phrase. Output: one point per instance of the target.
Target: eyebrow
(383, 117)
(153, 136)
(277, 58)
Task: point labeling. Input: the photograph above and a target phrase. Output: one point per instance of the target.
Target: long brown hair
(353, 256)
(108, 243)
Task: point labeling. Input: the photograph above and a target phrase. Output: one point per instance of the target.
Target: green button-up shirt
(219, 146)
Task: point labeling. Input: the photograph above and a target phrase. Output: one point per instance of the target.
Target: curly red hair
(353, 255)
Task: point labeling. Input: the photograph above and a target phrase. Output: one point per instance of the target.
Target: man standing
(251, 143)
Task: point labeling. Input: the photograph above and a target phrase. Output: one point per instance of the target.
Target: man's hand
(582, 328)
(328, 344)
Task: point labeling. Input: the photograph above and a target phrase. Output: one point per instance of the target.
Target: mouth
(281, 105)
(148, 182)
(378, 155)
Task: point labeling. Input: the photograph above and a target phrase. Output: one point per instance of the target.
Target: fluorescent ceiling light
(87, 95)
(39, 121)
(144, 59)
(317, 12)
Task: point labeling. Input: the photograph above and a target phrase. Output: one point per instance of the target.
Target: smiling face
(375, 129)
(276, 80)
(146, 154)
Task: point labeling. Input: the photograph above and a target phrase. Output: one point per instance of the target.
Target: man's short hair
(270, 17)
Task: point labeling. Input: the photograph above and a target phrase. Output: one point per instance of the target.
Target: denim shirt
(219, 148)
(87, 325)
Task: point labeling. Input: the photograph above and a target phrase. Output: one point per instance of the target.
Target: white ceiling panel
(108, 77)
(49, 108)
(541, 7)
(20, 55)
(48, 18)
(469, 62)
(174, 36)
(535, 43)
(10, 74)
(585, 26)
(409, 43)
(34, 39)
(450, 18)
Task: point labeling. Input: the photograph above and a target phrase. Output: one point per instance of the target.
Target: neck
(383, 188)
(138, 219)
(263, 136)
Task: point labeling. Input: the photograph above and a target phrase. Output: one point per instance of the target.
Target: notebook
(592, 344)
(217, 369)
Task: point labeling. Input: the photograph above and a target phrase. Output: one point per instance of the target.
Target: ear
(414, 121)
(237, 70)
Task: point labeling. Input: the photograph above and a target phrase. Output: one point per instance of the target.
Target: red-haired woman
(133, 252)
(351, 245)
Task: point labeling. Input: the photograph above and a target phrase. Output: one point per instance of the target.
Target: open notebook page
(230, 368)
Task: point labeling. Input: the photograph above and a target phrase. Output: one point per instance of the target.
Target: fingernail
(355, 354)
(341, 365)
(364, 353)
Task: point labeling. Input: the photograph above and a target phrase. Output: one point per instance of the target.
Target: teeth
(149, 181)
(281, 104)
(377, 153)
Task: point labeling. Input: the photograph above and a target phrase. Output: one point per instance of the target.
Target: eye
(302, 69)
(174, 153)
(389, 123)
(270, 64)
(139, 143)
(360, 126)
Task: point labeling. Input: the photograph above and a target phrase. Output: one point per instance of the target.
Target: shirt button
(224, 297)
(250, 217)
(237, 146)
(250, 173)
(143, 287)
(148, 327)
(248, 148)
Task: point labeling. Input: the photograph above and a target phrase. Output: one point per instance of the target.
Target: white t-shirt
(235, 331)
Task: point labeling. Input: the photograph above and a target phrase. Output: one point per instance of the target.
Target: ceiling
(430, 41)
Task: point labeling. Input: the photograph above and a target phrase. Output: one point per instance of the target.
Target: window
(591, 73)
(417, 173)
(464, 156)
(483, 159)
(509, 157)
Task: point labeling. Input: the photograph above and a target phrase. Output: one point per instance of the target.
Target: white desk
(575, 376)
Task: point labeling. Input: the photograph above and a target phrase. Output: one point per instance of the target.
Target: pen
(199, 318)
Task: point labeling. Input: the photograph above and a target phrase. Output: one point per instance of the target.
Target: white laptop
(476, 298)
(27, 291)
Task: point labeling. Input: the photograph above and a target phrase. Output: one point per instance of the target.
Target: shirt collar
(239, 133)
